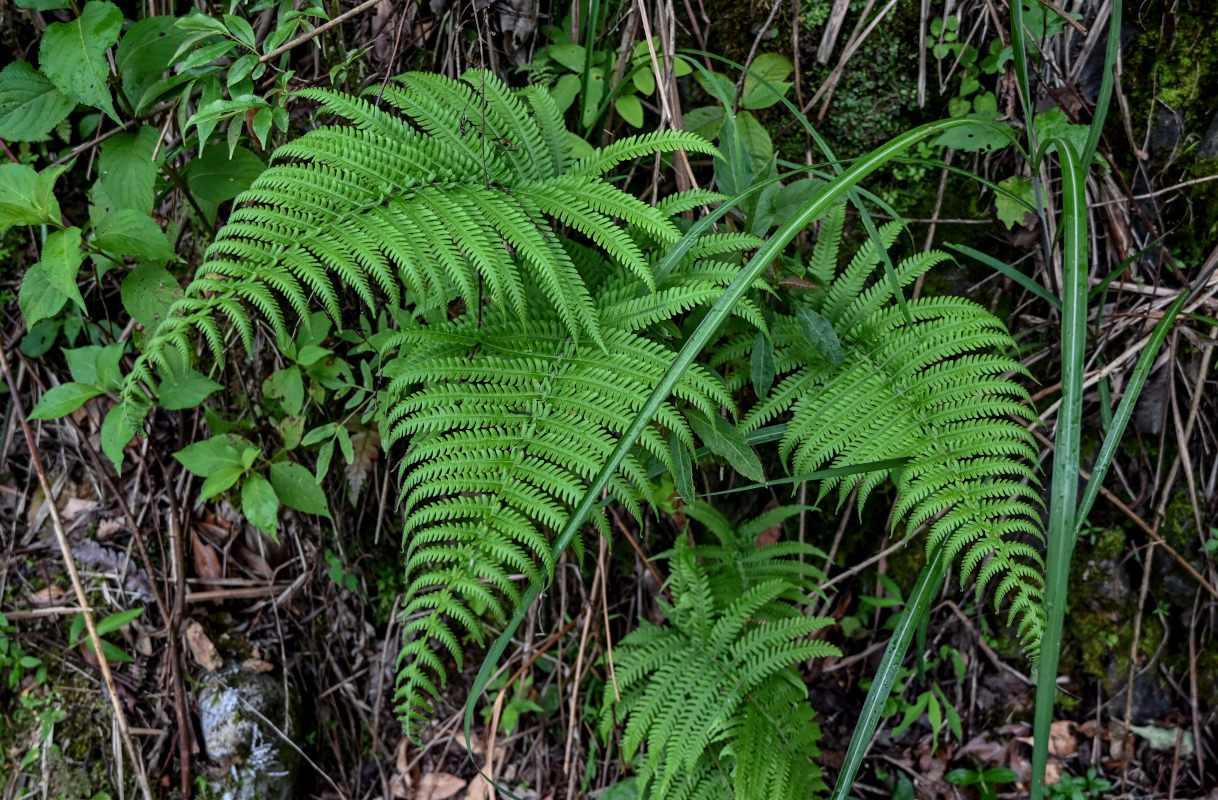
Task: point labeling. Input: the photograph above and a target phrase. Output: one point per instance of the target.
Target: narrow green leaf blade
(722, 438)
(818, 332)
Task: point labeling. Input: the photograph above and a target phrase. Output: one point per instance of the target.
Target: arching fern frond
(461, 189)
(714, 694)
(504, 425)
(935, 392)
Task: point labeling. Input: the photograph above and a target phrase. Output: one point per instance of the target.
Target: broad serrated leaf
(286, 386)
(215, 178)
(212, 455)
(116, 433)
(1010, 211)
(37, 298)
(683, 475)
(144, 55)
(755, 137)
(298, 489)
(704, 121)
(147, 292)
(219, 481)
(22, 199)
(30, 105)
(73, 54)
(96, 365)
(128, 232)
(126, 174)
(185, 390)
(761, 365)
(773, 68)
(61, 260)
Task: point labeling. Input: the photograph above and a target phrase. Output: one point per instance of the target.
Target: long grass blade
(1031, 284)
(1106, 79)
(925, 590)
(820, 475)
(1063, 492)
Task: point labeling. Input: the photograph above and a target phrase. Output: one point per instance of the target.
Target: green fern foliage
(713, 695)
(456, 189)
(460, 202)
(505, 422)
(863, 384)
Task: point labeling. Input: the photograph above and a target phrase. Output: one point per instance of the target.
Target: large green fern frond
(937, 392)
(459, 193)
(504, 424)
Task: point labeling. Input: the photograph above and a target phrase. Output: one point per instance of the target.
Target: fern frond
(462, 188)
(935, 392)
(504, 424)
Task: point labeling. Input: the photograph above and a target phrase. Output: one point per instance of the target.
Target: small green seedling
(984, 779)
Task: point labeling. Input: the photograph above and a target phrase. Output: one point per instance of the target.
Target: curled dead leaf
(400, 762)
(1062, 743)
(365, 446)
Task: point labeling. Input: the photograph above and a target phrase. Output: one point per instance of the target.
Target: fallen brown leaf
(399, 787)
(1062, 743)
(400, 762)
(206, 560)
(478, 789)
(438, 786)
(49, 596)
(365, 446)
(204, 652)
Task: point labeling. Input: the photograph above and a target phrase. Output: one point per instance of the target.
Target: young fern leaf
(714, 693)
(504, 424)
(462, 188)
(934, 392)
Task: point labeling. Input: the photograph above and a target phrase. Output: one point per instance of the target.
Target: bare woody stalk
(69, 563)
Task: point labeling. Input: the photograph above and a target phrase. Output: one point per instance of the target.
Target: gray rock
(1209, 143)
(239, 711)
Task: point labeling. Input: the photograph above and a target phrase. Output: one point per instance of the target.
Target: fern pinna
(863, 383)
(714, 693)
